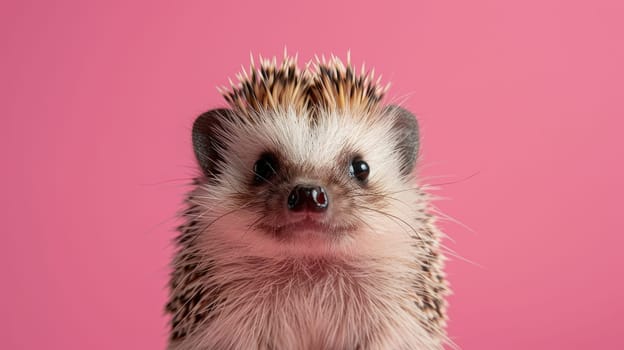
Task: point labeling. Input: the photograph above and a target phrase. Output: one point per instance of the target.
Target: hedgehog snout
(310, 198)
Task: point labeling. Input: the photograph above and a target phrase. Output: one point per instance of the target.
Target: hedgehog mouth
(307, 227)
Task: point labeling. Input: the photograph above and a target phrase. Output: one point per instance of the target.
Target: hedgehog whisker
(394, 217)
(253, 225)
(378, 195)
(358, 218)
(230, 212)
(164, 182)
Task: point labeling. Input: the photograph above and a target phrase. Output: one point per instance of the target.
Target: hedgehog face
(306, 163)
(289, 182)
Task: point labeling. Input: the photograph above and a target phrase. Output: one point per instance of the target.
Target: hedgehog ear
(207, 139)
(406, 130)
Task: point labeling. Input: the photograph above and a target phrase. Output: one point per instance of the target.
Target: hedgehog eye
(359, 169)
(265, 168)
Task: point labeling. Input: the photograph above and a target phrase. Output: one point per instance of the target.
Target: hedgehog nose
(311, 198)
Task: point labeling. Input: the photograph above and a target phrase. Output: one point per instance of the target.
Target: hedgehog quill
(307, 228)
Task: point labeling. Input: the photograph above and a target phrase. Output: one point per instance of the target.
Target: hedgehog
(307, 226)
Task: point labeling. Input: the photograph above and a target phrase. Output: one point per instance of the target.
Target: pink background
(97, 101)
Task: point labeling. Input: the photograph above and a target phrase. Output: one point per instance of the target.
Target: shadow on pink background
(97, 101)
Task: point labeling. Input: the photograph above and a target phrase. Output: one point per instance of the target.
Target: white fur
(361, 292)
